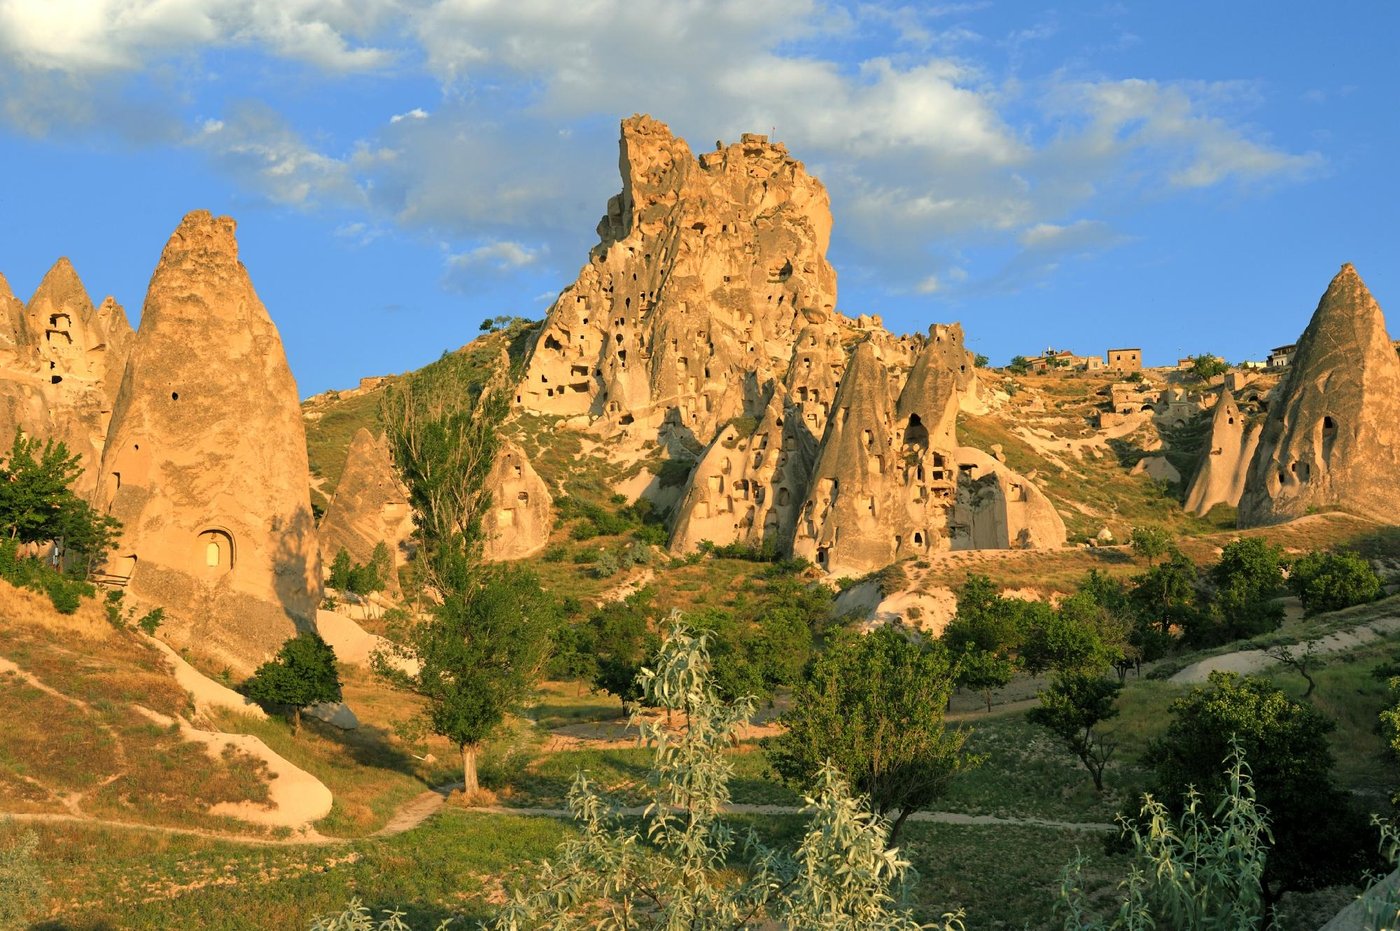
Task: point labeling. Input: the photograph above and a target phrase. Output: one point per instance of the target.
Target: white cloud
(417, 113)
(255, 145)
(97, 36)
(501, 255)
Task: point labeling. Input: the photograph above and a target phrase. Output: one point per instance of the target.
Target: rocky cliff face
(706, 320)
(205, 463)
(1332, 436)
(1224, 464)
(61, 362)
(705, 274)
(522, 511)
(370, 506)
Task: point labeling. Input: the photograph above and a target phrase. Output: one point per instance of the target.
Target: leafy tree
(1205, 366)
(684, 867)
(984, 671)
(1072, 708)
(1319, 839)
(490, 629)
(1080, 636)
(1332, 581)
(1201, 870)
(1151, 543)
(981, 361)
(38, 503)
(303, 673)
(1245, 582)
(624, 637)
(873, 705)
(1304, 660)
(341, 567)
(1019, 365)
(1165, 593)
(478, 657)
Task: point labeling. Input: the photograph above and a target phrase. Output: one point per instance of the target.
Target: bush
(21, 879)
(1332, 581)
(303, 673)
(151, 620)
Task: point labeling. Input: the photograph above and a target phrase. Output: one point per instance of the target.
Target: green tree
(1332, 581)
(1319, 838)
(1072, 708)
(341, 567)
(1019, 365)
(1202, 869)
(872, 705)
(38, 503)
(303, 673)
(1165, 594)
(1081, 635)
(490, 629)
(624, 637)
(1243, 587)
(980, 361)
(1205, 366)
(1151, 543)
(477, 657)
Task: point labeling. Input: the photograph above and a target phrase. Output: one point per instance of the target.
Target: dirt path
(1245, 662)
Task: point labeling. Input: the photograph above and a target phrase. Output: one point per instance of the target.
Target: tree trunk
(296, 721)
(897, 824)
(470, 785)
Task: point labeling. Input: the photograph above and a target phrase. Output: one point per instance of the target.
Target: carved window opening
(916, 434)
(216, 550)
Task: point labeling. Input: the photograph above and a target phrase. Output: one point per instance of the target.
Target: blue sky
(1185, 177)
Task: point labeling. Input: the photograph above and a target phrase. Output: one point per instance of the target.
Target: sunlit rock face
(1224, 464)
(370, 506)
(704, 326)
(1332, 437)
(205, 463)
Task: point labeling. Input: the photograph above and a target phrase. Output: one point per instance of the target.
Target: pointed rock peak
(61, 287)
(5, 292)
(200, 232)
(1347, 296)
(113, 317)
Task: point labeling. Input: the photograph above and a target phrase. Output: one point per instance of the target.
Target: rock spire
(1224, 464)
(1332, 437)
(370, 506)
(205, 463)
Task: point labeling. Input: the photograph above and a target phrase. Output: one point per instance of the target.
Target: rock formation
(705, 322)
(705, 273)
(1220, 477)
(521, 514)
(62, 361)
(1332, 436)
(205, 463)
(370, 506)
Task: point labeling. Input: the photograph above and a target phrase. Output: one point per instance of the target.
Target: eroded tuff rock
(1224, 464)
(1332, 436)
(370, 506)
(61, 362)
(705, 274)
(205, 463)
(705, 320)
(521, 514)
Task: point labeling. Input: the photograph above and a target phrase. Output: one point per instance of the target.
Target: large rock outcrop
(1332, 437)
(370, 507)
(521, 515)
(705, 274)
(205, 464)
(1224, 464)
(61, 361)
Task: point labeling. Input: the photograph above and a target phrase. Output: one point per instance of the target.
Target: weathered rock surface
(370, 506)
(705, 273)
(705, 321)
(205, 463)
(1332, 436)
(1224, 464)
(61, 361)
(522, 510)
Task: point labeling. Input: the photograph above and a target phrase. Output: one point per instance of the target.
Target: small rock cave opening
(915, 433)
